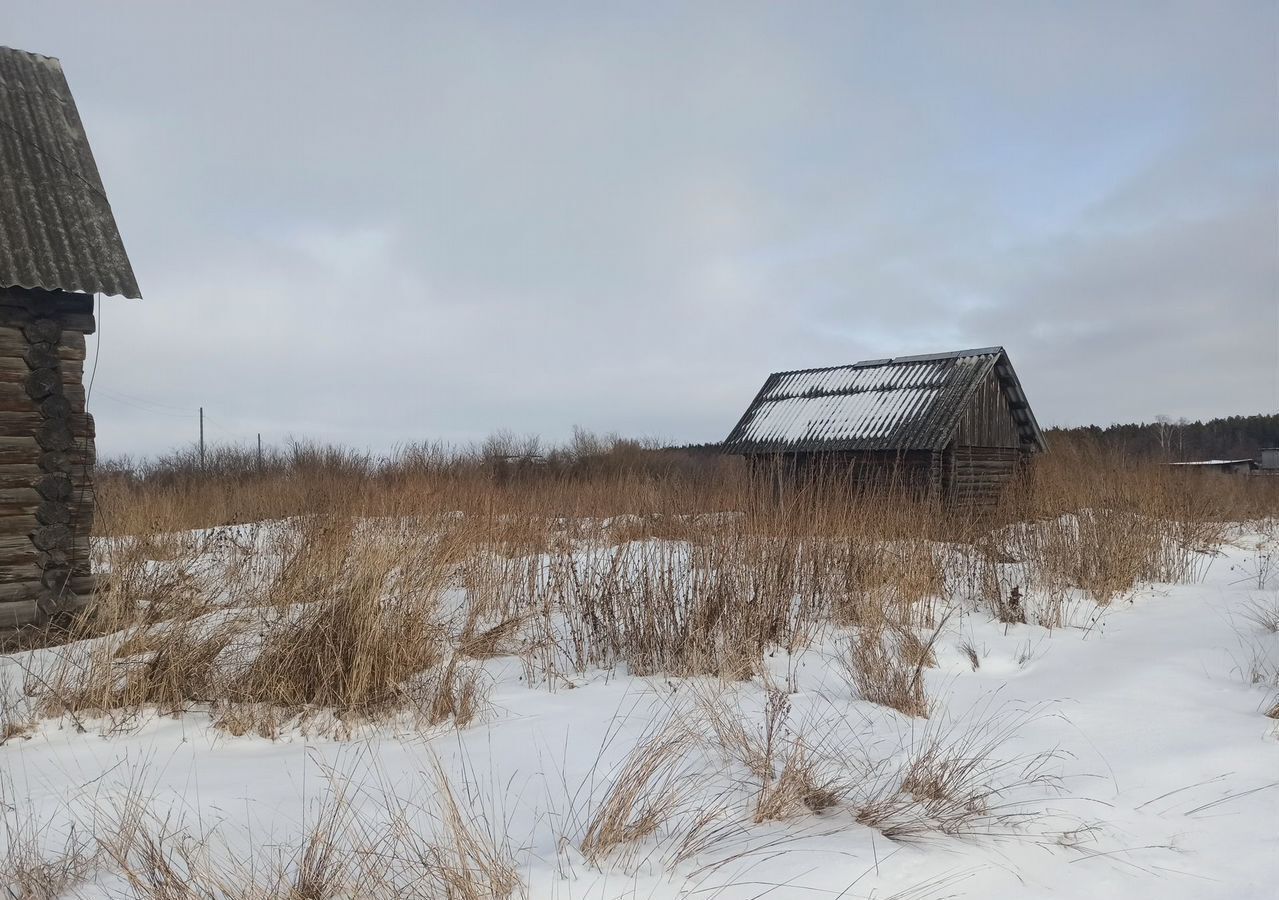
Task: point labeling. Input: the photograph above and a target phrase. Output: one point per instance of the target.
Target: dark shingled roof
(907, 403)
(56, 227)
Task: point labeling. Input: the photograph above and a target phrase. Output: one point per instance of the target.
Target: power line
(224, 429)
(133, 398)
(145, 409)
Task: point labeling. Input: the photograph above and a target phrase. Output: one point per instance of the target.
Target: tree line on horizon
(1231, 437)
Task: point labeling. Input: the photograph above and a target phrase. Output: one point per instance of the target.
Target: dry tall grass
(648, 788)
(445, 848)
(368, 588)
(954, 779)
(887, 666)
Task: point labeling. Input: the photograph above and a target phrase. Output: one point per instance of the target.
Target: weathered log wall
(977, 476)
(917, 472)
(967, 477)
(46, 456)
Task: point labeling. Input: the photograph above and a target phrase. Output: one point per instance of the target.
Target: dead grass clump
(497, 588)
(345, 654)
(368, 641)
(354, 649)
(142, 585)
(11, 729)
(888, 669)
(322, 868)
(1264, 614)
(951, 779)
(954, 781)
(445, 848)
(32, 866)
(312, 554)
(156, 860)
(445, 693)
(646, 792)
(27, 874)
(801, 783)
(17, 715)
(489, 642)
(655, 608)
(1125, 522)
(1103, 552)
(912, 646)
(166, 669)
(467, 860)
(794, 775)
(710, 608)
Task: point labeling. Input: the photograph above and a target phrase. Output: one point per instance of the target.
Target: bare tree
(1163, 426)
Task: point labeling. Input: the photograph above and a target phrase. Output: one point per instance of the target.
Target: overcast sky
(385, 222)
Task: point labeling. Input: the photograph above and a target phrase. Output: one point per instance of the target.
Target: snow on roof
(911, 402)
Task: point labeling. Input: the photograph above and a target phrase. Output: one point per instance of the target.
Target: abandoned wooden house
(954, 426)
(59, 246)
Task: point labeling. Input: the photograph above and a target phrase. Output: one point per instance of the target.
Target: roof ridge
(893, 360)
(7, 49)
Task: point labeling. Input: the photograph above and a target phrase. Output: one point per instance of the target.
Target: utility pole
(259, 451)
(201, 437)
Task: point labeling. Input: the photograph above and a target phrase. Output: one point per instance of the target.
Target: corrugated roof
(56, 227)
(907, 403)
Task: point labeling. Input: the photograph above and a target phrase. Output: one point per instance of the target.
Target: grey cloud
(402, 221)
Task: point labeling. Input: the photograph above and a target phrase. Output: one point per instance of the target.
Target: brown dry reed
(326, 580)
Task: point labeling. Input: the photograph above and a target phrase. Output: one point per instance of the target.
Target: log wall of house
(977, 476)
(915, 471)
(986, 453)
(46, 456)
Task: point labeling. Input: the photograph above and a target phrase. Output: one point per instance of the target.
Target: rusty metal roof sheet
(907, 403)
(56, 227)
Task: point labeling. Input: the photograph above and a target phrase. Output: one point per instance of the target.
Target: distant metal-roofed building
(953, 425)
(1223, 466)
(59, 246)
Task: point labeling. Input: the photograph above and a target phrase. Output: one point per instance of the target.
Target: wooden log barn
(59, 247)
(952, 426)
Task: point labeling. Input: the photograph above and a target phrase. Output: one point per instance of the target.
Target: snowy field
(1126, 753)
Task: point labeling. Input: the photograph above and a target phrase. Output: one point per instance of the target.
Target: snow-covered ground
(1131, 757)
